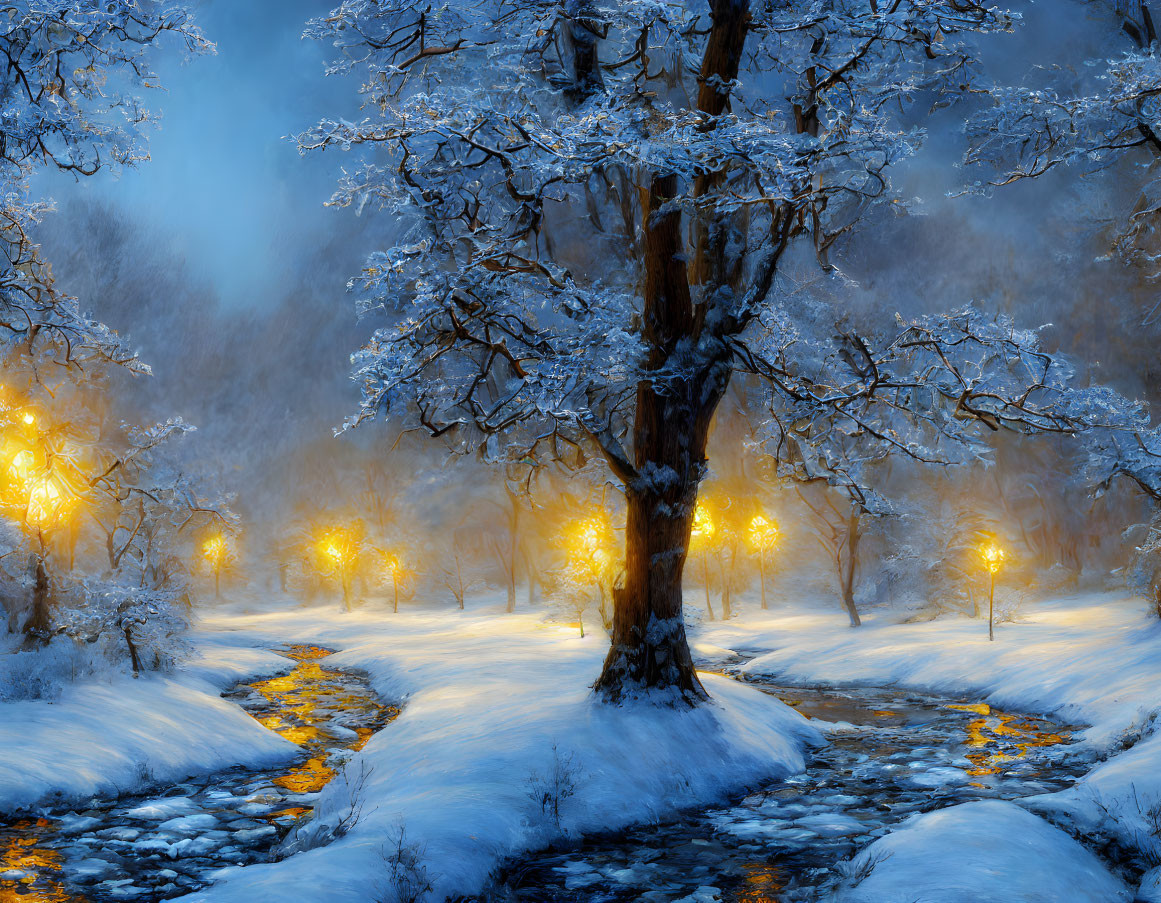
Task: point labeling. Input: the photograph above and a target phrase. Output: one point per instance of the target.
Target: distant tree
(504, 538)
(839, 528)
(455, 578)
(599, 202)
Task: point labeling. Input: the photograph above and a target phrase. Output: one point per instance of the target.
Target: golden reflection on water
(296, 696)
(299, 700)
(998, 737)
(761, 884)
(309, 777)
(39, 865)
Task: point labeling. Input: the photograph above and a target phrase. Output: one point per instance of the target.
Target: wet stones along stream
(170, 842)
(895, 754)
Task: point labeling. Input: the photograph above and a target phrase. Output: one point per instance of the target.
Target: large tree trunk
(673, 414)
(649, 648)
(687, 373)
(38, 627)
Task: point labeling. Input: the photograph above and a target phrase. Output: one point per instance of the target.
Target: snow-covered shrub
(99, 629)
(335, 815)
(1143, 572)
(407, 877)
(147, 626)
(551, 790)
(43, 672)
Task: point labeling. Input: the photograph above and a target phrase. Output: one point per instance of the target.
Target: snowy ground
(983, 852)
(1093, 659)
(103, 736)
(497, 715)
(486, 699)
(467, 766)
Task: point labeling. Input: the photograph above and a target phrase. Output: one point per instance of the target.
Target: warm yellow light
(588, 548)
(992, 556)
(215, 550)
(763, 533)
(703, 522)
(29, 419)
(48, 502)
(338, 549)
(391, 565)
(588, 536)
(20, 470)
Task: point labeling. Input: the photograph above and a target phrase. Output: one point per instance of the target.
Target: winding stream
(905, 753)
(169, 843)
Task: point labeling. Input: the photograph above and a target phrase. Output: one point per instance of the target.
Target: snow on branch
(933, 392)
(72, 67)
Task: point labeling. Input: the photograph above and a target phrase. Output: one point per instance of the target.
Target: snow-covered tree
(67, 467)
(597, 204)
(1090, 115)
(70, 98)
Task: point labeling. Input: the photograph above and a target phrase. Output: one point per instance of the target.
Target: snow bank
(1120, 799)
(985, 852)
(117, 735)
(1094, 658)
(465, 768)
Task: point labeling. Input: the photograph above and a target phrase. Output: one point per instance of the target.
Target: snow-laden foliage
(70, 102)
(603, 212)
(517, 159)
(1091, 115)
(856, 403)
(152, 506)
(109, 570)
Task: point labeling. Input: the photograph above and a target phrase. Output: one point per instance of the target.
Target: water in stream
(170, 842)
(906, 753)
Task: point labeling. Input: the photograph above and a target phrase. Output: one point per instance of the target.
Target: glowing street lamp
(338, 552)
(44, 500)
(590, 558)
(992, 557)
(216, 551)
(702, 535)
(393, 569)
(49, 503)
(588, 548)
(763, 537)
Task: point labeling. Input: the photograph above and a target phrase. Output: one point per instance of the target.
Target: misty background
(220, 261)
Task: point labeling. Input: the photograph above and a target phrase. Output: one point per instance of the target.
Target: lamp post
(702, 534)
(40, 488)
(391, 565)
(216, 551)
(992, 556)
(590, 557)
(763, 538)
(338, 550)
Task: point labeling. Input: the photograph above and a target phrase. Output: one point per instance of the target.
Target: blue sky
(225, 186)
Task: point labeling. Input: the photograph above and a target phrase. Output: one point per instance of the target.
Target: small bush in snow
(407, 878)
(855, 871)
(1137, 821)
(335, 815)
(145, 625)
(99, 628)
(552, 790)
